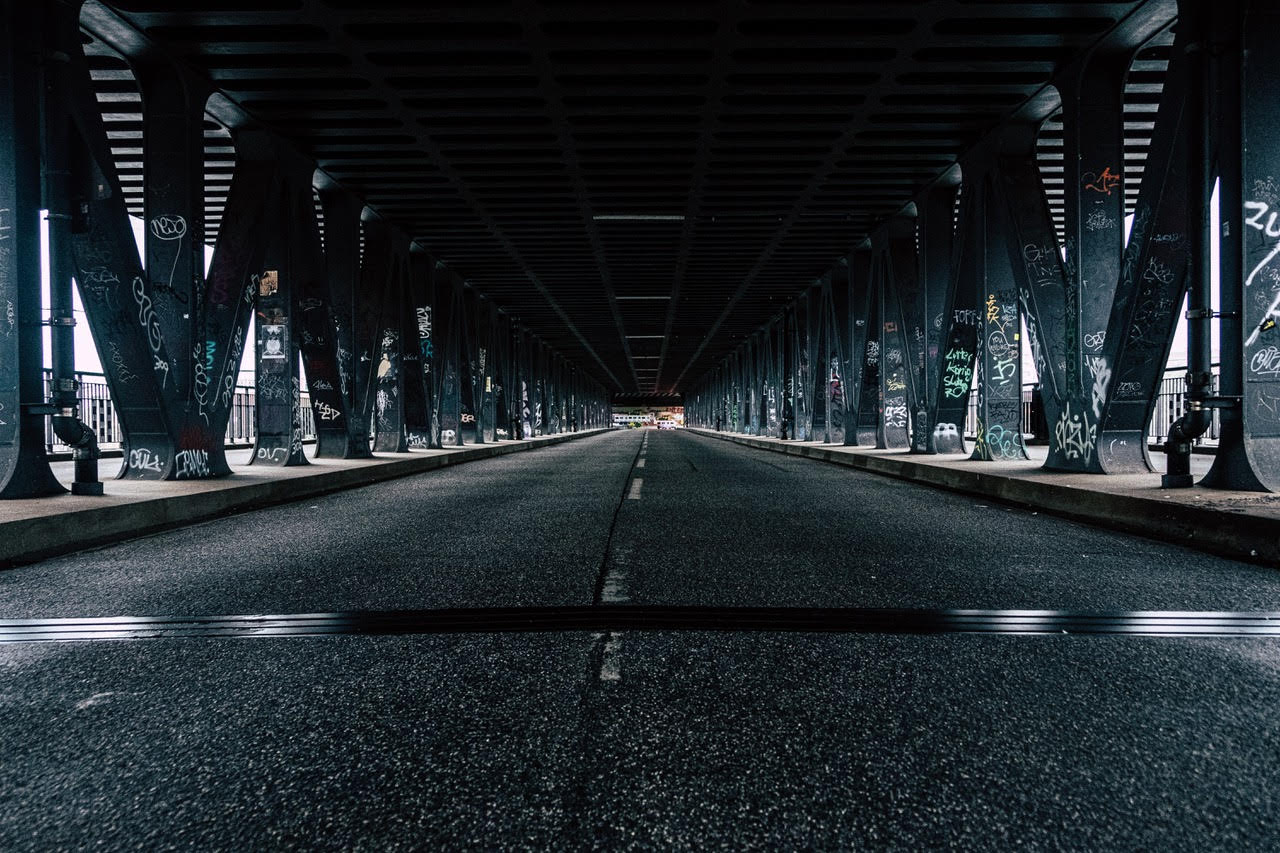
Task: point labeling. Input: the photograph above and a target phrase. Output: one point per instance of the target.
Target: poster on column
(272, 341)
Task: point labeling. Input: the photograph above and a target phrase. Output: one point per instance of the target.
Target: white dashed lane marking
(640, 463)
(634, 494)
(611, 659)
(615, 588)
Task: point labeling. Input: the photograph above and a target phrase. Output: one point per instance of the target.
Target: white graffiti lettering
(143, 459)
(1003, 443)
(162, 370)
(1099, 221)
(1076, 437)
(895, 413)
(147, 315)
(100, 276)
(326, 412)
(1101, 374)
(1266, 361)
(191, 464)
(169, 227)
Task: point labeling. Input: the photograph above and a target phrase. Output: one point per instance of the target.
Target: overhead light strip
(638, 217)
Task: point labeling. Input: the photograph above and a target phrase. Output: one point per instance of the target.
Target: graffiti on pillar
(1100, 373)
(325, 412)
(387, 396)
(1040, 263)
(424, 337)
(1075, 435)
(271, 388)
(295, 437)
(1104, 182)
(835, 386)
(191, 464)
(170, 228)
(151, 325)
(526, 413)
(1100, 220)
(143, 459)
(1002, 343)
(233, 360)
(1004, 443)
(895, 412)
(1261, 215)
(957, 376)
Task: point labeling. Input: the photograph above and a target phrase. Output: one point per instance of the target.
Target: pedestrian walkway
(1243, 525)
(41, 527)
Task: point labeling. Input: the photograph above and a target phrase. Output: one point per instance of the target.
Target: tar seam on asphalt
(606, 619)
(606, 665)
(613, 524)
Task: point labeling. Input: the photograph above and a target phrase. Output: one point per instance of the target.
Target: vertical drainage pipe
(1195, 422)
(58, 203)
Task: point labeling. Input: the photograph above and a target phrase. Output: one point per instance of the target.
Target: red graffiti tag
(1103, 183)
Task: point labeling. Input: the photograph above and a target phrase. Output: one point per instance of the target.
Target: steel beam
(419, 390)
(447, 298)
(388, 380)
(24, 467)
(870, 399)
(950, 390)
(999, 353)
(1153, 280)
(1249, 158)
(839, 327)
(935, 234)
(341, 213)
(277, 382)
(173, 103)
(897, 280)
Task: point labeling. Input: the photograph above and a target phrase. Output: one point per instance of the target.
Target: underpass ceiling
(642, 184)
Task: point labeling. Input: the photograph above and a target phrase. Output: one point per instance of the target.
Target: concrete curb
(1234, 534)
(25, 540)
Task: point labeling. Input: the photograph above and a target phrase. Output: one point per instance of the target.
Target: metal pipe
(60, 206)
(1203, 100)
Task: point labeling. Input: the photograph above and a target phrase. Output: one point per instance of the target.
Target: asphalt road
(639, 739)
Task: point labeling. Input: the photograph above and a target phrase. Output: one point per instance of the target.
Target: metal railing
(1171, 404)
(97, 411)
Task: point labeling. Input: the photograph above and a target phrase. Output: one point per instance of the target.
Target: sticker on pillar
(269, 284)
(273, 343)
